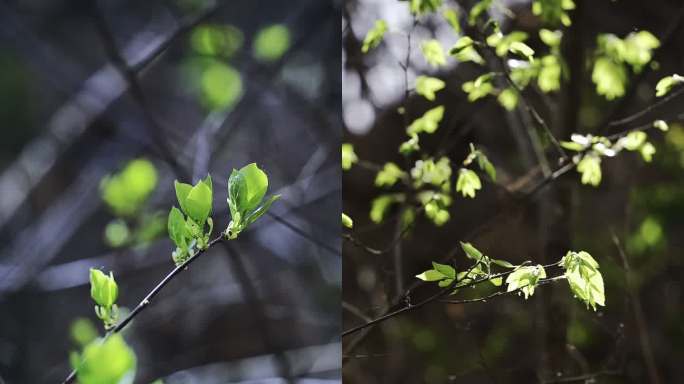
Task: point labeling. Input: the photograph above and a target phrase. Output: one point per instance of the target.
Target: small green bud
(103, 288)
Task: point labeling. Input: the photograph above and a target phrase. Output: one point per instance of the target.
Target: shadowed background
(195, 87)
(638, 337)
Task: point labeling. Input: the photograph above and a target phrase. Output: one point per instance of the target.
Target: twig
(148, 298)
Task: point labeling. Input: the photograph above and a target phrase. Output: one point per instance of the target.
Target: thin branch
(648, 109)
(148, 298)
(584, 378)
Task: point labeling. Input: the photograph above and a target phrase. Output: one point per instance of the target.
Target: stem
(148, 298)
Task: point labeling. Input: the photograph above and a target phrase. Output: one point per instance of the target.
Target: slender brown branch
(148, 298)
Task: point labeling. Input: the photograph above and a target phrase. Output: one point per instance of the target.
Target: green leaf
(550, 71)
(572, 146)
(468, 183)
(271, 43)
(431, 275)
(110, 361)
(522, 49)
(551, 38)
(508, 98)
(381, 204)
(347, 221)
(661, 125)
(503, 263)
(486, 165)
(348, 156)
(638, 48)
(252, 216)
(477, 10)
(103, 289)
(590, 168)
(220, 85)
(496, 281)
(419, 7)
(256, 184)
(667, 83)
(634, 140)
(610, 78)
(427, 123)
(198, 202)
(525, 279)
(177, 228)
(584, 278)
(374, 36)
(647, 151)
(182, 192)
(83, 331)
(464, 51)
(479, 88)
(126, 192)
(427, 86)
(389, 175)
(117, 233)
(471, 251)
(553, 12)
(430, 172)
(444, 269)
(451, 16)
(433, 52)
(409, 146)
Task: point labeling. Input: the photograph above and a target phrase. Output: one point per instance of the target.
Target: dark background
(68, 118)
(551, 337)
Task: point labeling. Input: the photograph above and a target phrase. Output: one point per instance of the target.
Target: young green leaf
(584, 278)
(427, 123)
(381, 204)
(374, 36)
(126, 191)
(103, 289)
(389, 175)
(420, 7)
(177, 228)
(444, 269)
(590, 168)
(198, 202)
(431, 275)
(661, 125)
(667, 83)
(471, 251)
(468, 183)
(246, 190)
(525, 279)
(427, 86)
(451, 16)
(347, 221)
(348, 156)
(433, 53)
(522, 49)
(109, 361)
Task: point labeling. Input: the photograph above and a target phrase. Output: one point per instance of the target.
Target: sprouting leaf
(126, 192)
(432, 172)
(374, 36)
(348, 156)
(182, 192)
(590, 168)
(419, 7)
(508, 98)
(661, 125)
(409, 146)
(471, 251)
(246, 190)
(271, 43)
(220, 85)
(525, 279)
(479, 88)
(634, 140)
(667, 83)
(638, 48)
(550, 71)
(486, 165)
(117, 233)
(572, 146)
(464, 51)
(389, 175)
(584, 278)
(647, 151)
(477, 10)
(440, 272)
(427, 86)
(444, 269)
(177, 229)
(428, 123)
(431, 275)
(103, 289)
(216, 40)
(551, 38)
(451, 16)
(433, 52)
(468, 183)
(199, 200)
(347, 221)
(503, 263)
(110, 361)
(610, 78)
(522, 49)
(381, 204)
(553, 11)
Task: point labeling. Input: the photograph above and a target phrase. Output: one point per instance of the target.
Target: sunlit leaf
(374, 36)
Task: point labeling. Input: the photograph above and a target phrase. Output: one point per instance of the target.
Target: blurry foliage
(271, 43)
(105, 361)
